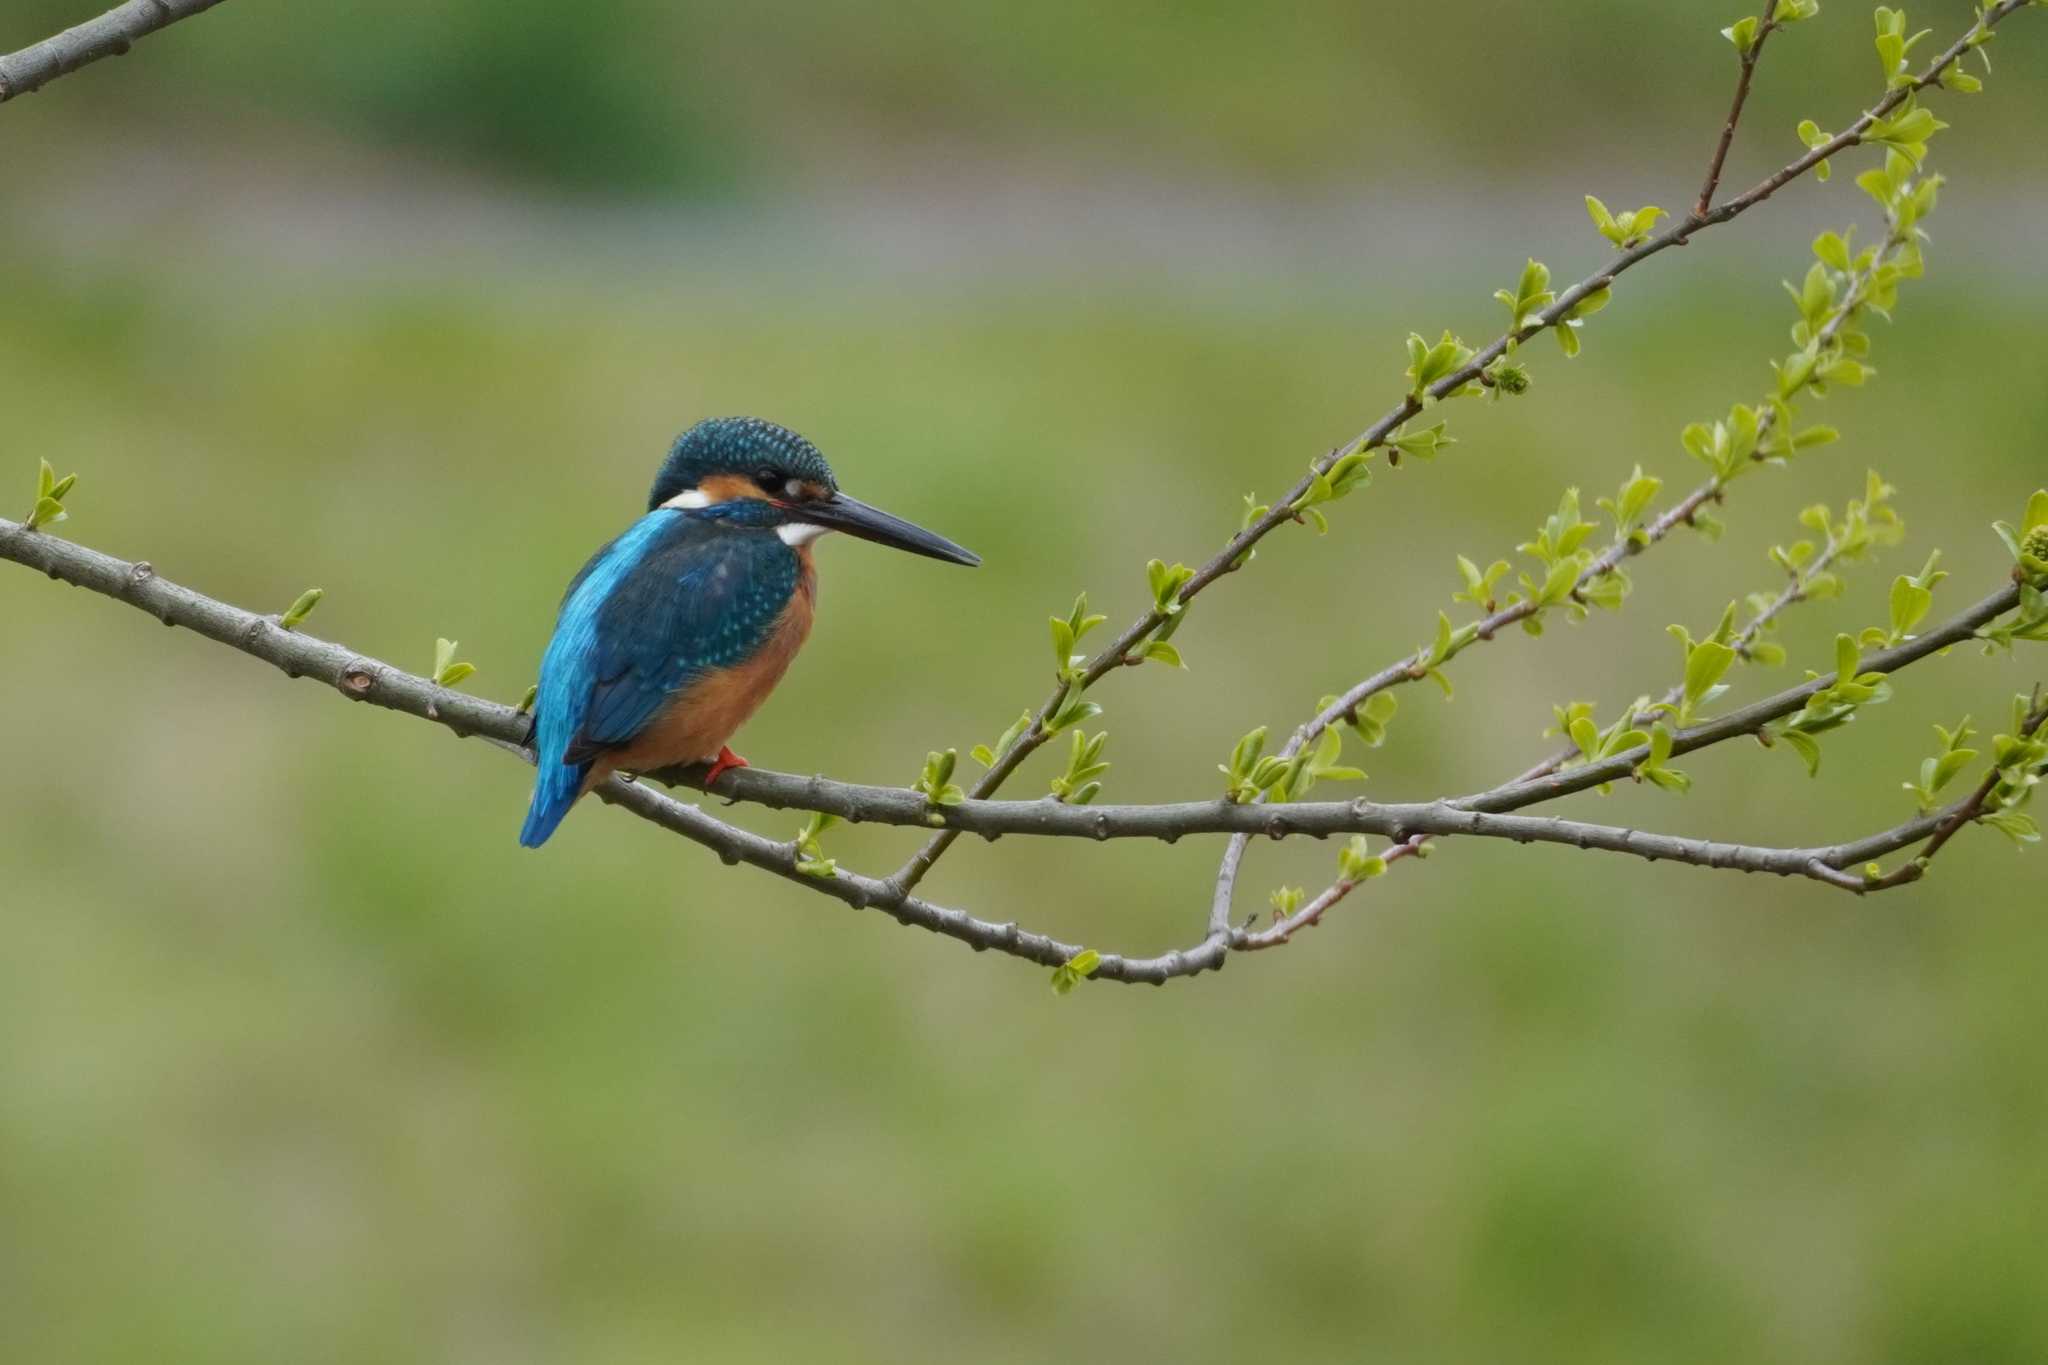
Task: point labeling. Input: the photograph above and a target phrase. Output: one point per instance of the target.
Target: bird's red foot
(726, 759)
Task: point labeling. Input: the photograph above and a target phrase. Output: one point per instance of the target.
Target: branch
(1409, 670)
(110, 35)
(362, 678)
(1118, 653)
(1827, 865)
(1744, 641)
(1822, 864)
(1766, 26)
(738, 846)
(1749, 719)
(1901, 235)
(1627, 543)
(1971, 807)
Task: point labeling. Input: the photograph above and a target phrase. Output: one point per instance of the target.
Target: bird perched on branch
(674, 633)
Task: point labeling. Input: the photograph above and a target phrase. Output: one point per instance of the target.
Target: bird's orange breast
(703, 716)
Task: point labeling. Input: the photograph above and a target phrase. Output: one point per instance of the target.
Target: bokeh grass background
(302, 1058)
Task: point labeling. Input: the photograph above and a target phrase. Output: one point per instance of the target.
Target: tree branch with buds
(1568, 569)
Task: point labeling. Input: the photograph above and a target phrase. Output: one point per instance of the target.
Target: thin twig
(1282, 932)
(1745, 640)
(1747, 720)
(1409, 670)
(1972, 807)
(1768, 23)
(110, 35)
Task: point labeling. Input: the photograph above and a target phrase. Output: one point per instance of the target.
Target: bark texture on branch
(110, 35)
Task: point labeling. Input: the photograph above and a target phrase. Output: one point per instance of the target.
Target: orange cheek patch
(726, 487)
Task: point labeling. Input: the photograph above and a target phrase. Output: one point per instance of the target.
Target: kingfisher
(677, 630)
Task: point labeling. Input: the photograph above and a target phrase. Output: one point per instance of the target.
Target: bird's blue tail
(555, 789)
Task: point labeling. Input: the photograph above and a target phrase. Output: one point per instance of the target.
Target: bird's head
(728, 459)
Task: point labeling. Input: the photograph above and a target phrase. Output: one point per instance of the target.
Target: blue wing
(704, 597)
(677, 595)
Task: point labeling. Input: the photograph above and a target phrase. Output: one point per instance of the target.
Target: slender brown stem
(1749, 60)
(1972, 807)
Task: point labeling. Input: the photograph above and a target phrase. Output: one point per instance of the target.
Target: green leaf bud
(300, 609)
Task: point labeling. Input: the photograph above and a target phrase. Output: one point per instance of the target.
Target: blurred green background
(302, 1058)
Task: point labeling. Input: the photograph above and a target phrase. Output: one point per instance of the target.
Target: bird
(676, 631)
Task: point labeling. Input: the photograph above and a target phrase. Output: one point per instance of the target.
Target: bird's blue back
(679, 594)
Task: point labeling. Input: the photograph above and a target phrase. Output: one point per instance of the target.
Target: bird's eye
(767, 478)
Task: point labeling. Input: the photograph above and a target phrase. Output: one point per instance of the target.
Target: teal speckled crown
(738, 445)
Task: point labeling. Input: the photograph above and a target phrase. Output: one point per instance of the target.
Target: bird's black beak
(841, 513)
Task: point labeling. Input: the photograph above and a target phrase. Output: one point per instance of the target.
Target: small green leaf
(1596, 299)
(1845, 660)
(1909, 605)
(1602, 219)
(1075, 970)
(1164, 653)
(50, 494)
(1705, 664)
(1423, 444)
(1357, 863)
(301, 608)
(1429, 365)
(935, 783)
(1806, 746)
(1833, 250)
(1003, 744)
(526, 702)
(2015, 825)
(1076, 710)
(1654, 770)
(447, 671)
(1062, 643)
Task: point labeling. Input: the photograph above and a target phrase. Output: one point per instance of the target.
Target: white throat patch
(800, 532)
